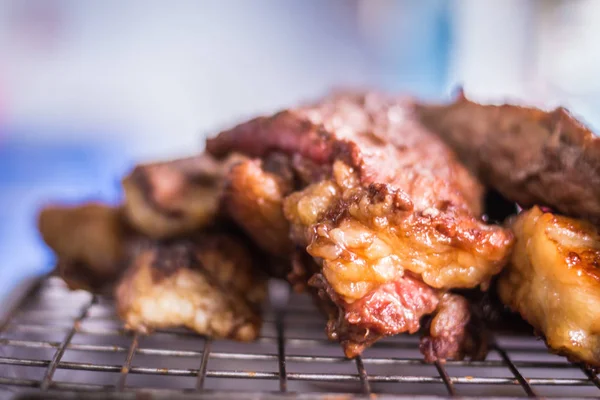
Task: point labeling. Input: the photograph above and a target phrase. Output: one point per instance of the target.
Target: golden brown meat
(253, 199)
(367, 236)
(208, 285)
(385, 209)
(89, 242)
(530, 156)
(553, 281)
(171, 198)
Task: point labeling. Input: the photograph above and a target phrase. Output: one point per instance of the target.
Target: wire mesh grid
(58, 342)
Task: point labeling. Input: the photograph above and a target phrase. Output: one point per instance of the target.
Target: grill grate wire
(30, 319)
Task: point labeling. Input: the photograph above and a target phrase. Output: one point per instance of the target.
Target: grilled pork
(387, 212)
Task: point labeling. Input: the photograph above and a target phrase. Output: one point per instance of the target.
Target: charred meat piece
(171, 198)
(207, 284)
(388, 213)
(89, 242)
(530, 156)
(553, 281)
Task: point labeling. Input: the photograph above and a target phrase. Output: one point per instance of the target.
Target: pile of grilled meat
(374, 205)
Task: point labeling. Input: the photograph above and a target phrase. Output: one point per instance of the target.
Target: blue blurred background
(87, 89)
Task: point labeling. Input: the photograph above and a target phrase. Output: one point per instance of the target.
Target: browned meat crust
(89, 242)
(553, 281)
(167, 199)
(253, 198)
(207, 284)
(372, 133)
(530, 156)
(388, 210)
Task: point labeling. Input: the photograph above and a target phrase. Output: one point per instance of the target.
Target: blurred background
(87, 89)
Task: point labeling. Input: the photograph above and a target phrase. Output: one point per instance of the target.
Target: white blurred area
(160, 74)
(539, 52)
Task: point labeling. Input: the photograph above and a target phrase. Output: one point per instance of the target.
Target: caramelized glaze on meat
(530, 156)
(208, 285)
(167, 199)
(89, 243)
(368, 236)
(383, 199)
(367, 242)
(553, 281)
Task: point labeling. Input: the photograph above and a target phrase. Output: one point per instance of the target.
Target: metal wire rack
(59, 343)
